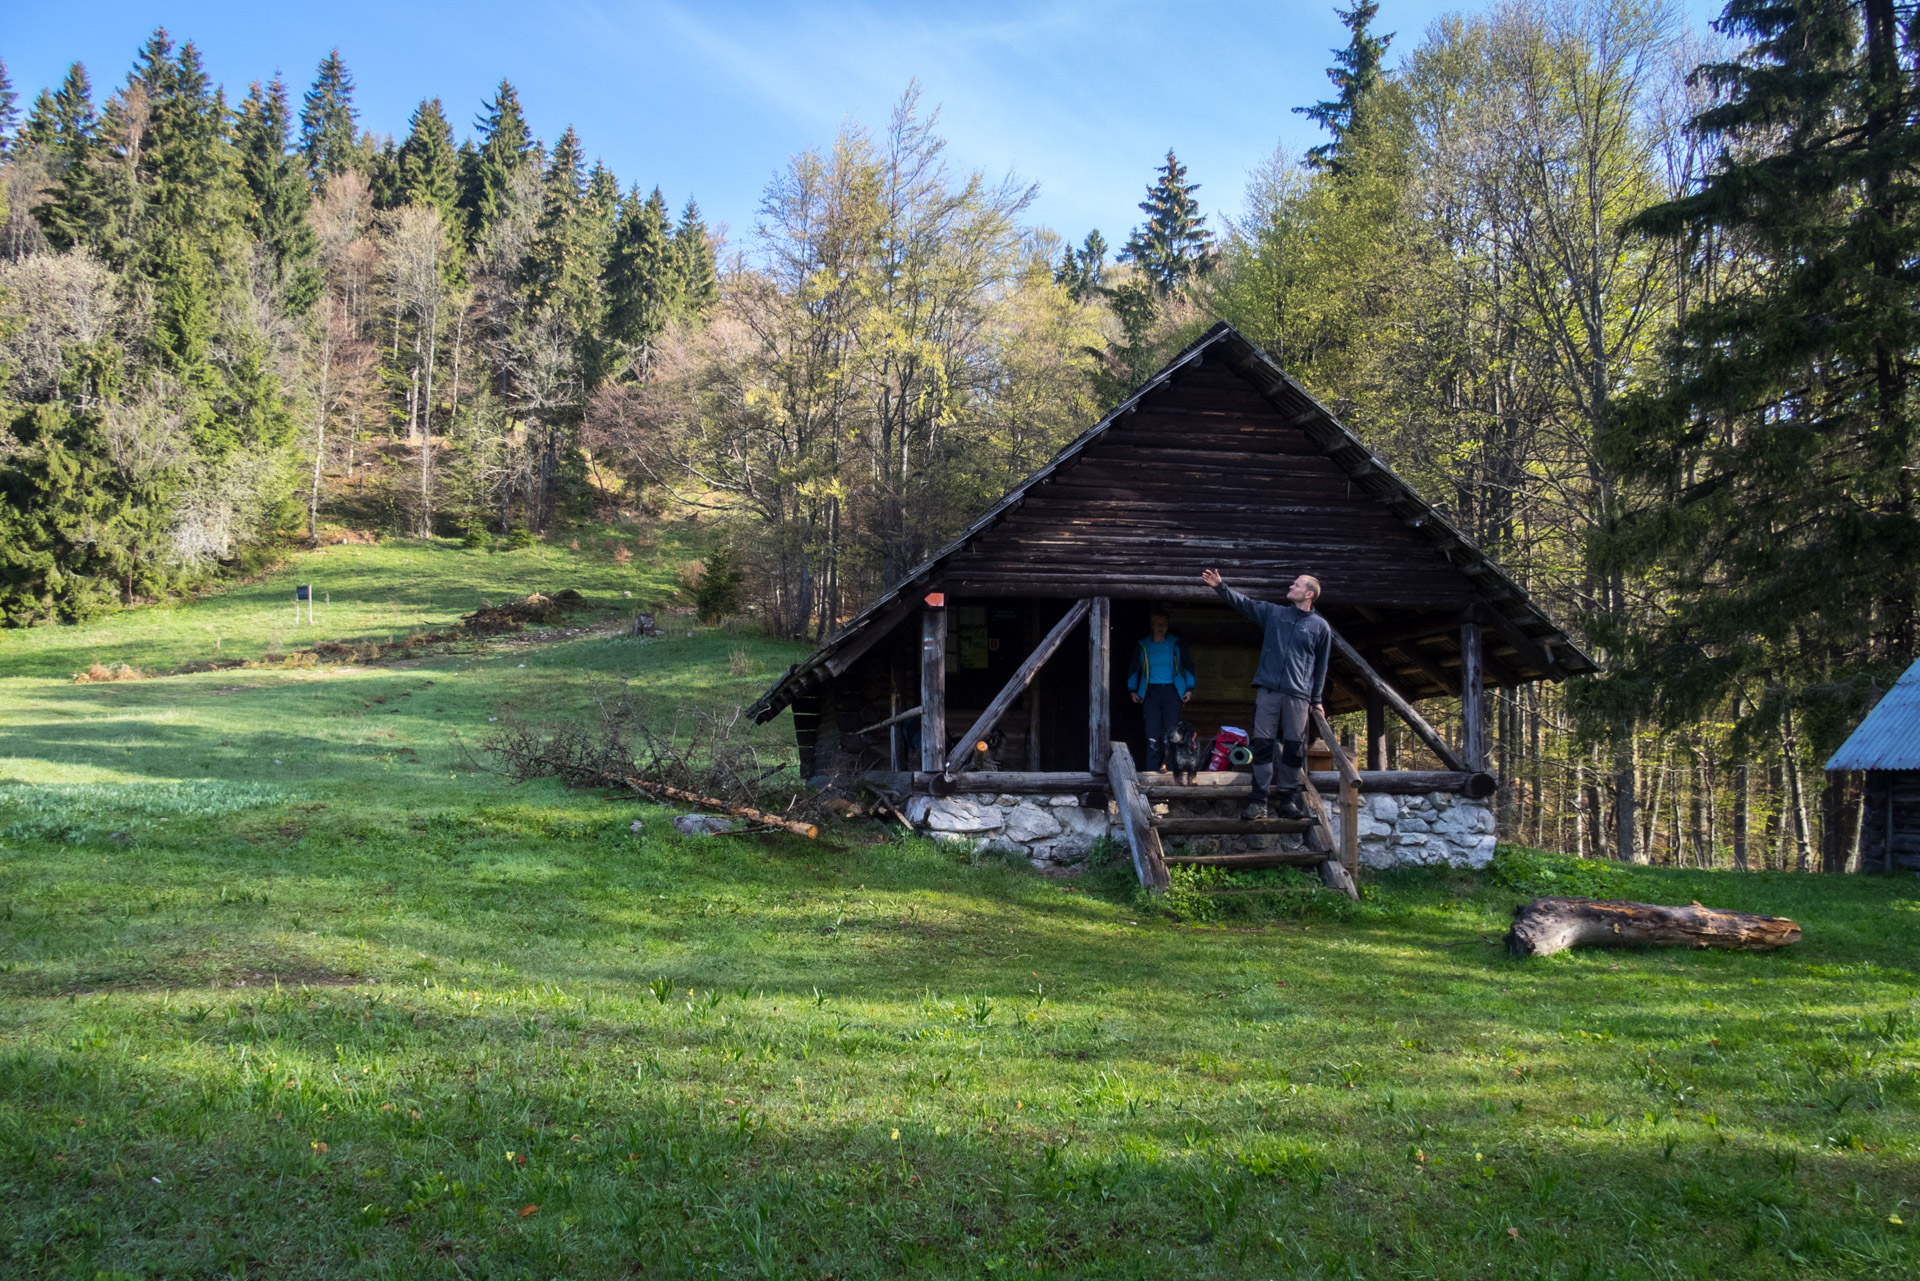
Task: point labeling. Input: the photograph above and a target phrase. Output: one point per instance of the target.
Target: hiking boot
(1288, 806)
(1256, 809)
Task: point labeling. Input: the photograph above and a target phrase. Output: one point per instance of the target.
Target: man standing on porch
(1292, 674)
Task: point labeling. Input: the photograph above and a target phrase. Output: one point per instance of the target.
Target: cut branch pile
(1549, 925)
(709, 768)
(494, 620)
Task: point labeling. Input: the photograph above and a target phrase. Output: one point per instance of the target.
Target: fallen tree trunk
(660, 791)
(1549, 925)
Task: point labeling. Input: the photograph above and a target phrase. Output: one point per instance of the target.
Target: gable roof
(1889, 738)
(1427, 549)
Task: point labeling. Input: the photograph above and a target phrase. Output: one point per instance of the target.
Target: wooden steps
(1207, 825)
(1253, 862)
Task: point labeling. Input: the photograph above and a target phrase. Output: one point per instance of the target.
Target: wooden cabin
(1020, 632)
(1886, 748)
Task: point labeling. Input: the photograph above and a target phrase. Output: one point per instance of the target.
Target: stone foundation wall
(1056, 833)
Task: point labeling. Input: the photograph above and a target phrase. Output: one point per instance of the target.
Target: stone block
(1378, 854)
(702, 824)
(963, 814)
(1031, 823)
(1063, 800)
(1384, 809)
(1092, 823)
(1411, 825)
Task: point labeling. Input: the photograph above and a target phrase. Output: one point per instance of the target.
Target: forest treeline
(219, 317)
(1633, 303)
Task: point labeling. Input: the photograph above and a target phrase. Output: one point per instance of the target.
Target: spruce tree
(643, 285)
(1355, 73)
(603, 193)
(1081, 273)
(384, 177)
(329, 134)
(277, 181)
(188, 168)
(9, 112)
(62, 518)
(1174, 244)
(1780, 445)
(428, 172)
(506, 149)
(65, 128)
(699, 274)
(563, 267)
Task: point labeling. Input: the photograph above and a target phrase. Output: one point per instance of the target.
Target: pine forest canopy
(1645, 335)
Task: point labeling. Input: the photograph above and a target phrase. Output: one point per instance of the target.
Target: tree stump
(1549, 925)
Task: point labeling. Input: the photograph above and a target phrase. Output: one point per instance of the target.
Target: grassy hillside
(365, 592)
(289, 988)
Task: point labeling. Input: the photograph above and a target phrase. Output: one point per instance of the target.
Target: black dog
(1184, 757)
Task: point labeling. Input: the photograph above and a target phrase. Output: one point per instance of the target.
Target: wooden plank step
(1252, 862)
(1181, 825)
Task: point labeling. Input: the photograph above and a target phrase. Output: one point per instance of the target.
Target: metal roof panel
(1889, 738)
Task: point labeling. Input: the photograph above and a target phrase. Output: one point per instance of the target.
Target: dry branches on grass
(707, 763)
(108, 672)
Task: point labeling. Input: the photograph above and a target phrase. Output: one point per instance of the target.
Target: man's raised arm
(1254, 609)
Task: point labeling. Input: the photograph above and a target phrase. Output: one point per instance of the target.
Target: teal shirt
(1160, 663)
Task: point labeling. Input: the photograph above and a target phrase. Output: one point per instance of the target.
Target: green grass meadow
(290, 987)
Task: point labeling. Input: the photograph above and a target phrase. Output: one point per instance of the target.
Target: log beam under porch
(1220, 785)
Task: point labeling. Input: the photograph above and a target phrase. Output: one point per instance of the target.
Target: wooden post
(933, 685)
(1149, 860)
(1099, 713)
(1376, 730)
(1349, 851)
(1473, 699)
(1033, 694)
(894, 735)
(956, 761)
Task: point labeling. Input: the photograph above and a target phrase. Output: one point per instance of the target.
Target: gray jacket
(1297, 645)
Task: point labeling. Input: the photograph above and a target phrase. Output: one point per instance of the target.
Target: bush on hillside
(717, 594)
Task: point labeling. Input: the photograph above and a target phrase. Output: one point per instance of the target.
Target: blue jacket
(1182, 673)
(1295, 647)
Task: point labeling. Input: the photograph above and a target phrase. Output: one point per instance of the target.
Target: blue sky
(710, 99)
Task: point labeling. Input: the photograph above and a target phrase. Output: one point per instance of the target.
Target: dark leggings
(1162, 707)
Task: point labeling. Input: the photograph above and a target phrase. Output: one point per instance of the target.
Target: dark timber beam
(1530, 651)
(1391, 696)
(1015, 686)
(1099, 659)
(1473, 699)
(875, 631)
(933, 684)
(1376, 731)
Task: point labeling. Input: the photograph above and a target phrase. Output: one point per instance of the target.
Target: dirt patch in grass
(199, 969)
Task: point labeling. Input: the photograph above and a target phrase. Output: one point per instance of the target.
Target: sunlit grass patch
(76, 812)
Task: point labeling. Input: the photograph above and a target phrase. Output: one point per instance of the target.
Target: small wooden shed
(1886, 747)
(1219, 460)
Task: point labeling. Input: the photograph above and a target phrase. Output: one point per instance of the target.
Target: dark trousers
(1162, 707)
(1279, 720)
